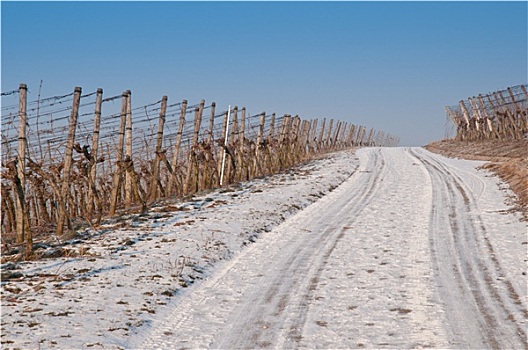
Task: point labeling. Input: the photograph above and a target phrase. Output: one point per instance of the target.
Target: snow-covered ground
(411, 250)
(136, 269)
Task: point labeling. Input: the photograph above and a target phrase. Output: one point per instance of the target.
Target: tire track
(260, 298)
(280, 319)
(497, 309)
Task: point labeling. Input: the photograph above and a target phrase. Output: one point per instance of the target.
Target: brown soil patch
(507, 159)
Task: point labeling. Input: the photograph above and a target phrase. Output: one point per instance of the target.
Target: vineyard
(77, 158)
(501, 115)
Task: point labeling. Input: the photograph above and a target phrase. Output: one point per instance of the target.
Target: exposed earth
(508, 159)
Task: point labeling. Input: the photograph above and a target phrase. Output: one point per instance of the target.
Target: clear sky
(388, 65)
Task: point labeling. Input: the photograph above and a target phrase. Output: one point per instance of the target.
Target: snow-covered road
(410, 251)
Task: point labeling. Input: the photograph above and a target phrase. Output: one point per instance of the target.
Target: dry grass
(507, 159)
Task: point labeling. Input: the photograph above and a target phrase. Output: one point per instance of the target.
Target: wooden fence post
(467, 119)
(211, 124)
(176, 152)
(320, 138)
(223, 142)
(92, 188)
(259, 146)
(116, 181)
(21, 217)
(336, 135)
(241, 171)
(210, 168)
(280, 150)
(350, 138)
(292, 152)
(191, 164)
(524, 114)
(517, 116)
(128, 150)
(230, 169)
(328, 134)
(68, 159)
(270, 146)
(225, 148)
(523, 88)
(311, 136)
(154, 184)
(361, 135)
(487, 115)
(511, 125)
(272, 128)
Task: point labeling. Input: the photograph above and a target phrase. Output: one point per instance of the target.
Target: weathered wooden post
(191, 164)
(311, 136)
(270, 144)
(128, 150)
(22, 220)
(320, 138)
(333, 142)
(525, 112)
(350, 137)
(484, 112)
(272, 128)
(307, 134)
(282, 155)
(230, 170)
(241, 171)
(210, 169)
(68, 159)
(476, 118)
(154, 184)
(517, 116)
(294, 139)
(116, 181)
(360, 136)
(92, 192)
(259, 146)
(222, 152)
(225, 134)
(494, 117)
(510, 122)
(176, 152)
(328, 134)
(465, 114)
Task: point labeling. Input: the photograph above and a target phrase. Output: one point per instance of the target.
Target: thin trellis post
(116, 181)
(272, 128)
(128, 151)
(210, 166)
(154, 184)
(92, 191)
(68, 160)
(320, 138)
(259, 146)
(176, 152)
(222, 150)
(191, 164)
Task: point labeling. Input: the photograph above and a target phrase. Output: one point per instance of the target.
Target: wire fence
(501, 115)
(81, 157)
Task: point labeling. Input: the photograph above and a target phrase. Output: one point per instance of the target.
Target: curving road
(407, 252)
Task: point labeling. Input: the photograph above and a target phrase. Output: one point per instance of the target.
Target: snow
(383, 248)
(133, 275)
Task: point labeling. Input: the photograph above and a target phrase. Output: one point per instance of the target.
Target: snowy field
(132, 276)
(386, 248)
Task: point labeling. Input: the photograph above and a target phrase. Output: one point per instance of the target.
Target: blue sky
(388, 65)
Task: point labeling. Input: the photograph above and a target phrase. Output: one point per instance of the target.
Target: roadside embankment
(507, 159)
